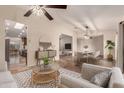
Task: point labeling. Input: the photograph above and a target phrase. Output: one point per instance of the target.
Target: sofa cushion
(5, 77)
(8, 85)
(74, 82)
(101, 79)
(3, 66)
(116, 79)
(89, 70)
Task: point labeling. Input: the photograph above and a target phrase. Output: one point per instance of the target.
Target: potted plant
(110, 46)
(45, 60)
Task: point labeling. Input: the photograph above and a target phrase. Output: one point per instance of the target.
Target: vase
(110, 57)
(47, 67)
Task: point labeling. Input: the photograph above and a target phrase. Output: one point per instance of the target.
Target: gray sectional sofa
(6, 78)
(88, 71)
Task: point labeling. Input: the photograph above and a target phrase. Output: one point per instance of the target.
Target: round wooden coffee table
(45, 76)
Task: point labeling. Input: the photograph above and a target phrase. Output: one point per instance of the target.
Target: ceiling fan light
(37, 10)
(86, 37)
(36, 7)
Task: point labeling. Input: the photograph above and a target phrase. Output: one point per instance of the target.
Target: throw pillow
(102, 78)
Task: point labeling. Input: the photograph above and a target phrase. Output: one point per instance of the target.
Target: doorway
(15, 45)
(65, 46)
(66, 59)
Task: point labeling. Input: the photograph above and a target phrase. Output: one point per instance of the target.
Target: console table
(39, 55)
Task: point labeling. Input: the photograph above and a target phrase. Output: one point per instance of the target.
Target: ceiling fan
(41, 9)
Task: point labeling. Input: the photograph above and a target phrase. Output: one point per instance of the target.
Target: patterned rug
(23, 79)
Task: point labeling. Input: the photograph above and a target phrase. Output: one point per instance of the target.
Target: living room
(98, 23)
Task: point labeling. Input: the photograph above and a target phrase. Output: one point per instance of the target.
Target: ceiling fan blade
(47, 14)
(41, 5)
(28, 13)
(56, 6)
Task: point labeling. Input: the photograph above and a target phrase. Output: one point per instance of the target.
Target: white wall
(95, 44)
(107, 35)
(38, 28)
(99, 44)
(5, 14)
(45, 30)
(82, 42)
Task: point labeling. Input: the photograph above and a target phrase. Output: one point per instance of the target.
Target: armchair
(6, 79)
(3, 66)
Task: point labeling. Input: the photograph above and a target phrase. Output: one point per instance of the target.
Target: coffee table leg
(55, 83)
(32, 80)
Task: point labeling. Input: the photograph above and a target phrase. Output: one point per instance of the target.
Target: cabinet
(39, 55)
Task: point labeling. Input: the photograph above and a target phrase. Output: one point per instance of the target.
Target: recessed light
(23, 31)
(19, 26)
(20, 33)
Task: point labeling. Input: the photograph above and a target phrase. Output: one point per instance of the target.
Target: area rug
(23, 79)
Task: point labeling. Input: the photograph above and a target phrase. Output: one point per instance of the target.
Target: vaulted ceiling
(98, 17)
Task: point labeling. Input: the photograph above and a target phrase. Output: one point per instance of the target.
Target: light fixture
(86, 36)
(23, 31)
(37, 10)
(20, 33)
(18, 26)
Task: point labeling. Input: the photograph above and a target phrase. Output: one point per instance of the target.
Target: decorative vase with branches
(45, 62)
(110, 46)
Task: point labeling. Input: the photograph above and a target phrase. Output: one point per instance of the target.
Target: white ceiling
(11, 31)
(98, 17)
